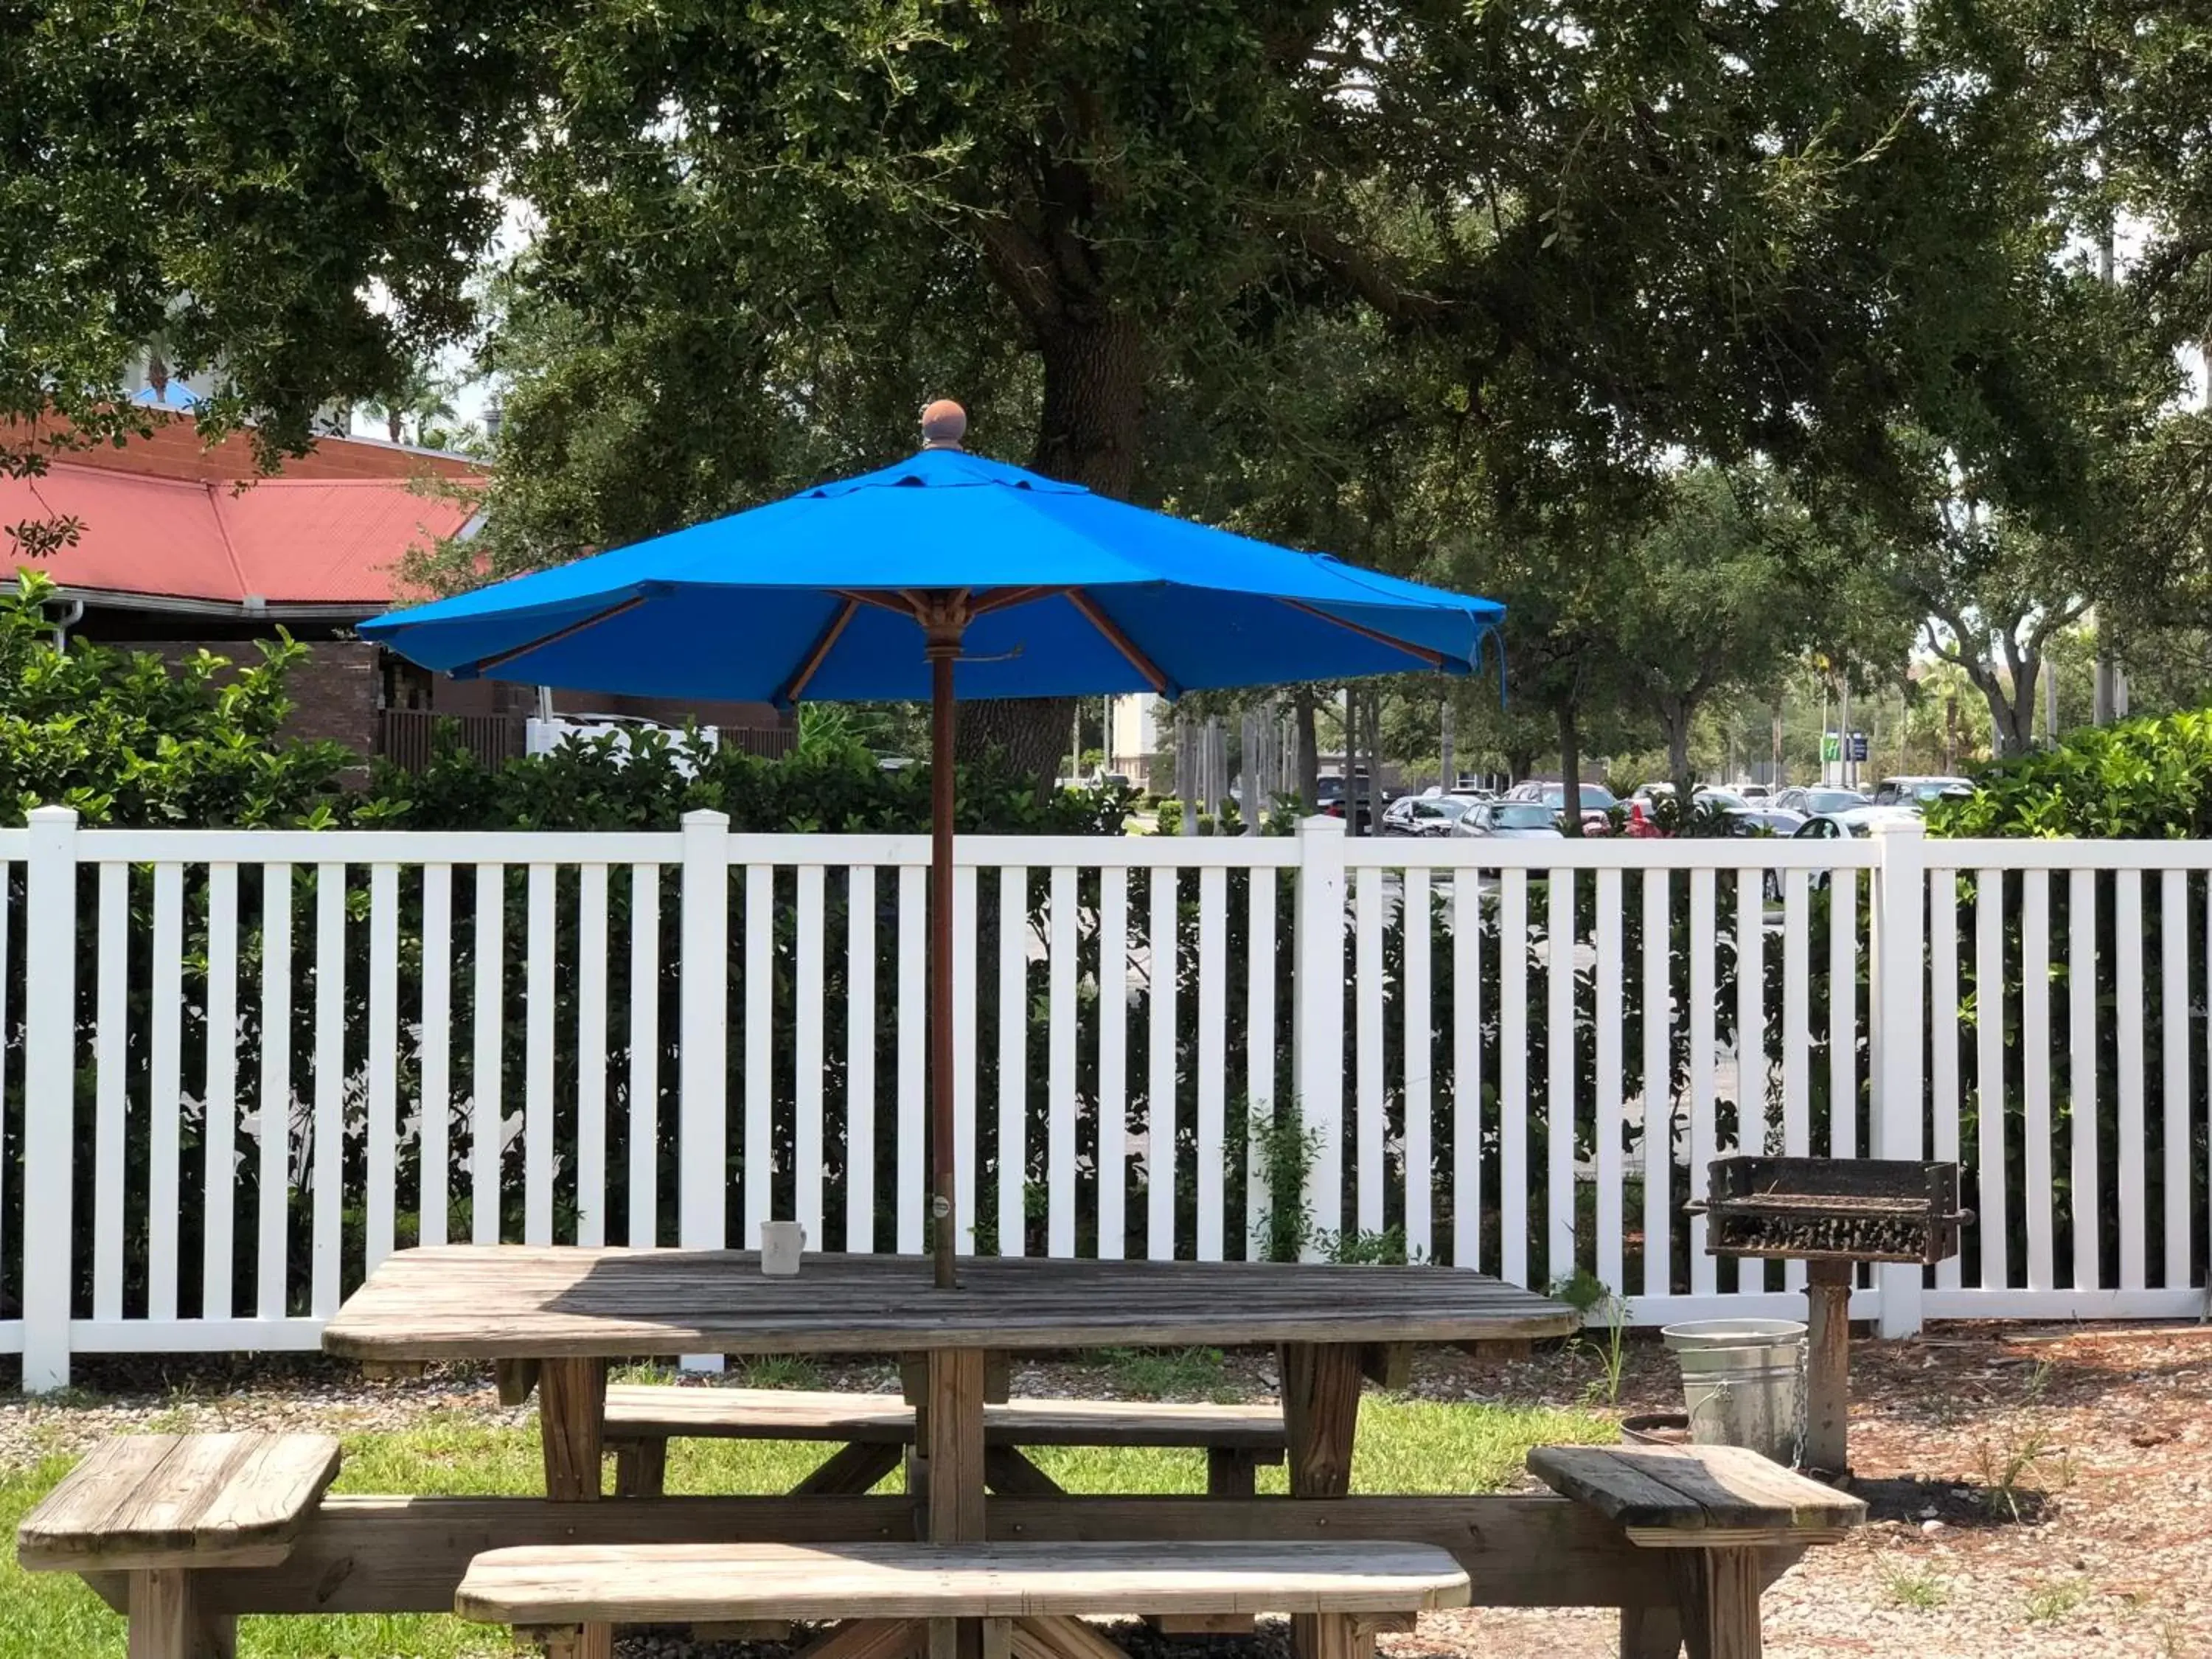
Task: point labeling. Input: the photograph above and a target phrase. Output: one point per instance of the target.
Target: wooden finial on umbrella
(943, 423)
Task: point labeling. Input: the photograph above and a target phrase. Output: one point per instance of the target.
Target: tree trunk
(1302, 701)
(1675, 718)
(1571, 771)
(1088, 433)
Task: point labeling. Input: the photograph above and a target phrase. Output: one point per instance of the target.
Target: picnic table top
(522, 1301)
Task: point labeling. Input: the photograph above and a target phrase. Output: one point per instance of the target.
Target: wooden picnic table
(569, 1310)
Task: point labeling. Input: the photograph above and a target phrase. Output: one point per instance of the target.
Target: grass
(2048, 1603)
(1915, 1589)
(1404, 1446)
(1170, 1373)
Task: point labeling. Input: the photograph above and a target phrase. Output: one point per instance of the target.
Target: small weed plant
(1170, 1373)
(2048, 1603)
(1915, 1588)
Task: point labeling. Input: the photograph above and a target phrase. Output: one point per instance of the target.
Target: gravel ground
(2035, 1492)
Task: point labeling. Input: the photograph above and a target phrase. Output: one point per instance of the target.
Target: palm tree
(424, 396)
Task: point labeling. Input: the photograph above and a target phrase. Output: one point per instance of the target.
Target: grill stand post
(1828, 1367)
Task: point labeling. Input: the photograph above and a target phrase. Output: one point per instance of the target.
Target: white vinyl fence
(242, 1066)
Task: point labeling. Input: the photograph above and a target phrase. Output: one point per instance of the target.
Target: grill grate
(1823, 1209)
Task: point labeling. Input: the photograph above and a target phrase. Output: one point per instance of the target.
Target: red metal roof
(284, 541)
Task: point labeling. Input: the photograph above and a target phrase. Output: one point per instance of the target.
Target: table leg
(952, 1434)
(1321, 1417)
(571, 1400)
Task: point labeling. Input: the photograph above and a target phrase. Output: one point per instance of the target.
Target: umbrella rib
(1111, 632)
(901, 607)
(827, 638)
(1006, 598)
(501, 659)
(1434, 659)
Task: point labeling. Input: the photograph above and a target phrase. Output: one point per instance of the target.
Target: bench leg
(640, 1468)
(1650, 1633)
(1230, 1472)
(1341, 1635)
(572, 1408)
(1719, 1600)
(167, 1622)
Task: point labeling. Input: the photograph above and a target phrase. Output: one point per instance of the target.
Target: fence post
(1899, 1005)
(703, 1044)
(1317, 1026)
(50, 947)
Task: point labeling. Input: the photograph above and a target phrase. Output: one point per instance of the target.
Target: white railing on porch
(457, 1011)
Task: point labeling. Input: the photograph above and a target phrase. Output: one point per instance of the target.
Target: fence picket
(1991, 1212)
(1609, 1124)
(859, 1059)
(1843, 1013)
(2081, 1056)
(2127, 1008)
(591, 1054)
(1161, 943)
(2035, 1078)
(758, 1188)
(1704, 1278)
(219, 1119)
(1751, 1036)
(1513, 1077)
(110, 1051)
(433, 1048)
(1418, 1041)
(910, 1177)
(1059, 1032)
(965, 990)
(1213, 1058)
(1367, 1036)
(2174, 1011)
(1560, 1083)
(1013, 1058)
(1113, 1060)
(383, 1122)
(1467, 1068)
(327, 1235)
(1943, 1030)
(538, 1023)
(1797, 1033)
(272, 1106)
(644, 1228)
(1259, 1051)
(1658, 1090)
(486, 1131)
(166, 1105)
(807, 1018)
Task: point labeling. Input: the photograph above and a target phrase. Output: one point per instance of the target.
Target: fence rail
(242, 1066)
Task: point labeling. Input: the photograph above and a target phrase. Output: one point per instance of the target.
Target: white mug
(780, 1243)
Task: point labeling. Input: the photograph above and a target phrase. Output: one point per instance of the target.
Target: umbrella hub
(944, 618)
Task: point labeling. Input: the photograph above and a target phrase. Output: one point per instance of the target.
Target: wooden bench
(1031, 1596)
(158, 1510)
(876, 1431)
(1721, 1512)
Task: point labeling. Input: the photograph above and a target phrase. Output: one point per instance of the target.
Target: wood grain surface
(681, 1583)
(517, 1301)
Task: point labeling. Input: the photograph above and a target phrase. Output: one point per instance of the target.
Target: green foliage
(2145, 780)
(128, 742)
(1169, 1373)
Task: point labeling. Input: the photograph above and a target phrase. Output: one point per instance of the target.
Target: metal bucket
(1743, 1381)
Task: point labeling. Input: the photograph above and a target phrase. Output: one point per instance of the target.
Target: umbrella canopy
(946, 576)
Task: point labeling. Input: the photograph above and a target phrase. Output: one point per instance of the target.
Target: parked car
(1846, 825)
(1642, 820)
(1915, 791)
(1813, 800)
(1424, 815)
(1763, 820)
(1756, 794)
(1598, 803)
(1511, 820)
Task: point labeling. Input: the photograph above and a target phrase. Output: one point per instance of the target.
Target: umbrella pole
(944, 1199)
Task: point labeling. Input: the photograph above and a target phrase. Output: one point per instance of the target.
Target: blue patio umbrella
(945, 576)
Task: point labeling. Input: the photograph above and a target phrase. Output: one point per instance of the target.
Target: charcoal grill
(1830, 1214)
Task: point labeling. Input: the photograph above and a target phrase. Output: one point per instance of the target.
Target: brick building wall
(334, 691)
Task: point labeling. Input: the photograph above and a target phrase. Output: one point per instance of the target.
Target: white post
(49, 949)
(702, 1043)
(1899, 1004)
(1317, 1031)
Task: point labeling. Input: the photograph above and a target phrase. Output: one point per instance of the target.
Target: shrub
(2146, 780)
